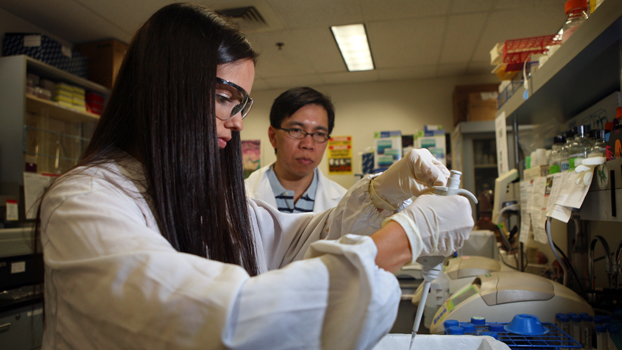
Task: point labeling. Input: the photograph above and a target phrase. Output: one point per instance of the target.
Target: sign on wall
(340, 155)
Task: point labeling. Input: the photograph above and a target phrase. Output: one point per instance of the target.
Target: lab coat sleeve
(112, 282)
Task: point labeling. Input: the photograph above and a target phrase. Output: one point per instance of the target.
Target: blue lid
(557, 315)
(583, 314)
(497, 327)
(598, 319)
(601, 329)
(587, 318)
(564, 318)
(491, 334)
(468, 327)
(570, 314)
(478, 321)
(607, 318)
(455, 330)
(451, 323)
(576, 318)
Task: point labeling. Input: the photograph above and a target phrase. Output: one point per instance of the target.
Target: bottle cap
(570, 314)
(468, 327)
(450, 323)
(478, 321)
(564, 318)
(455, 330)
(497, 327)
(559, 139)
(609, 126)
(587, 318)
(575, 318)
(573, 4)
(491, 334)
(582, 314)
(601, 329)
(583, 130)
(569, 134)
(598, 319)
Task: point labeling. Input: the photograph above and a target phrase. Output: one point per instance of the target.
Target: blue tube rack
(555, 339)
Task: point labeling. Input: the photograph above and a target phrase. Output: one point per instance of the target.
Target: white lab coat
(327, 195)
(113, 282)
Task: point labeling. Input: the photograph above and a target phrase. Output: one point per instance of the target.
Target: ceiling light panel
(354, 46)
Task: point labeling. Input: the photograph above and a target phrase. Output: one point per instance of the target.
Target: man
(301, 120)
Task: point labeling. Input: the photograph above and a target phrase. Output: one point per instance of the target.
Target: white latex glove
(435, 225)
(413, 175)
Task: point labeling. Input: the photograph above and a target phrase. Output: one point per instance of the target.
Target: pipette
(433, 265)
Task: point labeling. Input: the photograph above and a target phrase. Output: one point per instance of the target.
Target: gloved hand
(435, 225)
(411, 176)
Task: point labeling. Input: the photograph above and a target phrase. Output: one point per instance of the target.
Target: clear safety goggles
(231, 100)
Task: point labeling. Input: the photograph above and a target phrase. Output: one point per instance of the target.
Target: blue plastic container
(478, 321)
(491, 334)
(451, 323)
(525, 324)
(468, 327)
(496, 327)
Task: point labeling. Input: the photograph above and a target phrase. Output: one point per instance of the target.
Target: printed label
(32, 40)
(18, 267)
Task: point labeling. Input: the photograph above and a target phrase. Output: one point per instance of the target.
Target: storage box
(104, 60)
(482, 106)
(461, 98)
(46, 50)
(440, 342)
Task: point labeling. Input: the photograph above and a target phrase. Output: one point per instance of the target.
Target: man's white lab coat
(113, 282)
(327, 195)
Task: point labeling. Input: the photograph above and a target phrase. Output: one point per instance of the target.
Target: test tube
(468, 327)
(602, 338)
(557, 321)
(587, 325)
(480, 323)
(575, 328)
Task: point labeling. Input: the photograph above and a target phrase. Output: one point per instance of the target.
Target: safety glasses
(231, 100)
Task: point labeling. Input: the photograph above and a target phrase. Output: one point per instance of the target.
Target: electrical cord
(571, 268)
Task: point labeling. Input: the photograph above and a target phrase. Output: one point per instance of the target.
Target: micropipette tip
(412, 340)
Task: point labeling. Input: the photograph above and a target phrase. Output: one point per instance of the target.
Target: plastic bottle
(602, 338)
(555, 160)
(576, 12)
(598, 145)
(575, 328)
(439, 292)
(580, 147)
(587, 329)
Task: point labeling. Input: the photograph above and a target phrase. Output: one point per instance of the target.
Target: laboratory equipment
(440, 342)
(501, 190)
(498, 296)
(526, 324)
(601, 338)
(462, 270)
(480, 243)
(433, 265)
(581, 146)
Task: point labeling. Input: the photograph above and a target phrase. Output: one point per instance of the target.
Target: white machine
(501, 190)
(498, 296)
(462, 270)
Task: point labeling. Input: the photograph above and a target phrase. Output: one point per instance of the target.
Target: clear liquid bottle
(580, 147)
(565, 152)
(598, 145)
(555, 159)
(576, 12)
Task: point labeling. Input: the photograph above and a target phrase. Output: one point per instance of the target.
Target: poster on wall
(340, 155)
(251, 156)
(387, 148)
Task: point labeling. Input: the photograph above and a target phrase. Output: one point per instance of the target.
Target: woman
(149, 242)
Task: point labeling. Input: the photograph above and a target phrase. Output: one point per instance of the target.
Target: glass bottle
(565, 152)
(576, 12)
(580, 147)
(598, 146)
(555, 160)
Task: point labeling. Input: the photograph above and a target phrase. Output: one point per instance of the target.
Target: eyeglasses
(300, 134)
(231, 100)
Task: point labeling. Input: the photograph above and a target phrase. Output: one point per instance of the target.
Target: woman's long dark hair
(162, 108)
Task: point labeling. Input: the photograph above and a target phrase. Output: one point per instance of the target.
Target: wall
(363, 108)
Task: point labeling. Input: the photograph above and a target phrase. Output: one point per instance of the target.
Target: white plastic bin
(440, 342)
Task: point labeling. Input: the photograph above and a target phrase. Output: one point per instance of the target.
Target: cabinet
(36, 130)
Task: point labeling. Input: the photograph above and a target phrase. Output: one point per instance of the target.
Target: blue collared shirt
(285, 198)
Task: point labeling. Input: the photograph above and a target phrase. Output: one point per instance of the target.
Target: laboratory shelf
(554, 339)
(35, 105)
(584, 70)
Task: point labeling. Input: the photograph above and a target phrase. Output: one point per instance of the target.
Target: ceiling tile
(259, 84)
(406, 43)
(531, 4)
(126, 14)
(480, 68)
(375, 10)
(349, 77)
(452, 69)
(317, 13)
(289, 82)
(468, 6)
(461, 36)
(417, 72)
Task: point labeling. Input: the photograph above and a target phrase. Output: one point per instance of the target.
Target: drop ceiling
(409, 39)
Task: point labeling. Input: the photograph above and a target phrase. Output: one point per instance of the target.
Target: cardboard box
(104, 60)
(461, 99)
(482, 106)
